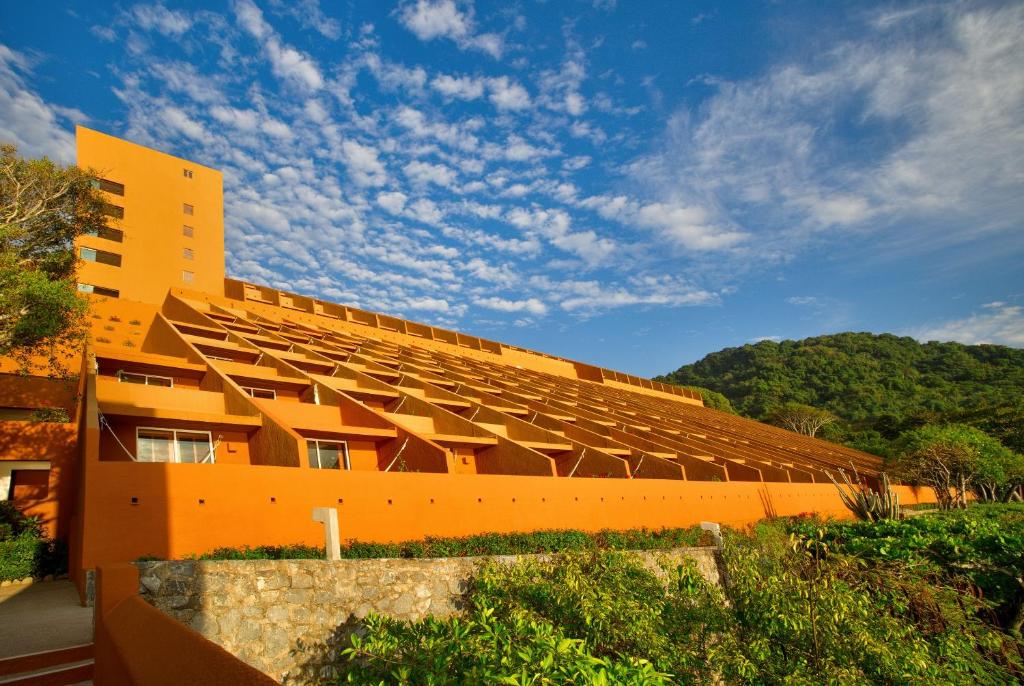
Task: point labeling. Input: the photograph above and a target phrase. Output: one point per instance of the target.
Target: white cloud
(309, 14)
(26, 120)
(999, 323)
(653, 290)
(461, 87)
(392, 201)
(424, 173)
(802, 300)
(285, 61)
(179, 120)
(507, 94)
(430, 19)
(937, 99)
(363, 164)
(159, 18)
(531, 305)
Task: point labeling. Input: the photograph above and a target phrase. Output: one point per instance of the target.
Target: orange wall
(155, 191)
(265, 505)
(138, 645)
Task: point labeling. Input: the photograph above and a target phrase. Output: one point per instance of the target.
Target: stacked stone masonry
(288, 618)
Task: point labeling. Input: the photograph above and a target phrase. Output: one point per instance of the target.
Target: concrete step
(58, 667)
(59, 675)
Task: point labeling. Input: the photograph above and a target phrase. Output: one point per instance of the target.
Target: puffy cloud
(531, 305)
(430, 19)
(26, 120)
(507, 94)
(997, 323)
(159, 18)
(424, 173)
(461, 87)
(363, 164)
(392, 201)
(285, 61)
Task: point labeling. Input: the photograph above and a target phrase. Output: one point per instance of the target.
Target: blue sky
(631, 184)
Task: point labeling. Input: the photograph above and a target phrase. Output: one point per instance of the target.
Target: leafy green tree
(44, 206)
(713, 399)
(801, 418)
(952, 459)
(879, 386)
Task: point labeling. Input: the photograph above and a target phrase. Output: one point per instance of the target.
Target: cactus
(865, 503)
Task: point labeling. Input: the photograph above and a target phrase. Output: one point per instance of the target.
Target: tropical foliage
(43, 207)
(802, 604)
(878, 385)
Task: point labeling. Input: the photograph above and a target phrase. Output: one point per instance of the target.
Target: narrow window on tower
(187, 173)
(101, 256)
(187, 276)
(187, 209)
(187, 231)
(188, 254)
(115, 211)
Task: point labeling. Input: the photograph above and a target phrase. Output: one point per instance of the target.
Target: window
(116, 235)
(187, 209)
(326, 454)
(173, 445)
(187, 276)
(101, 256)
(265, 393)
(115, 211)
(98, 290)
(108, 186)
(222, 359)
(187, 231)
(146, 379)
(188, 254)
(187, 173)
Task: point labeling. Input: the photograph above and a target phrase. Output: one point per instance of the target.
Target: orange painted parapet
(138, 645)
(172, 510)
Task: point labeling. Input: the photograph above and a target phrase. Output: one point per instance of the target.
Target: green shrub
(795, 611)
(14, 524)
(483, 649)
(984, 544)
(554, 541)
(28, 556)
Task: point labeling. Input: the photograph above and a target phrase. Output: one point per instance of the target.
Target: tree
(713, 399)
(44, 207)
(801, 418)
(954, 458)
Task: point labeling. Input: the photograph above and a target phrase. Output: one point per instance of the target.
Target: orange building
(212, 412)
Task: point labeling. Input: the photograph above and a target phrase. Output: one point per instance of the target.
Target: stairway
(61, 667)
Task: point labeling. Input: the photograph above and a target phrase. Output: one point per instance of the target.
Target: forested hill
(873, 382)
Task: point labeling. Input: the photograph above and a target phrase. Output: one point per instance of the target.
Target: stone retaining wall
(288, 617)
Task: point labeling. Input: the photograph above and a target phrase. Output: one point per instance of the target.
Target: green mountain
(878, 384)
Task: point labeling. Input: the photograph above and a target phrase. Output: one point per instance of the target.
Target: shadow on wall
(317, 661)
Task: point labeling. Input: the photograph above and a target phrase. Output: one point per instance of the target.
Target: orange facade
(213, 412)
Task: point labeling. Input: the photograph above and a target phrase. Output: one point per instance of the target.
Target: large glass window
(173, 445)
(146, 379)
(328, 454)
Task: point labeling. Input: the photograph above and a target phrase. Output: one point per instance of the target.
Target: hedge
(28, 556)
(553, 541)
